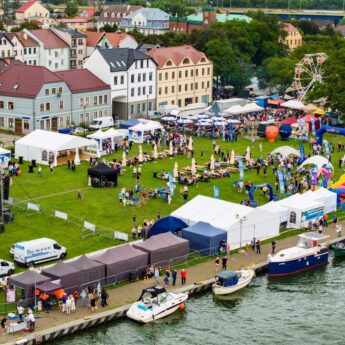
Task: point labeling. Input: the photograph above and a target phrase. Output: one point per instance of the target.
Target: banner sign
(281, 182)
(216, 192)
(171, 183)
(312, 214)
(325, 142)
(240, 167)
(301, 150)
(231, 133)
(312, 120)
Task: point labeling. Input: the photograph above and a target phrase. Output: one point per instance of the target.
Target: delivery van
(101, 122)
(6, 268)
(36, 251)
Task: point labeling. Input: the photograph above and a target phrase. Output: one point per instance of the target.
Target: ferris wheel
(308, 71)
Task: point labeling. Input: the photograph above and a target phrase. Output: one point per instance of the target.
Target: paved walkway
(7, 139)
(130, 292)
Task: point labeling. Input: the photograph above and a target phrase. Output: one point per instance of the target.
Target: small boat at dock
(228, 282)
(339, 248)
(307, 254)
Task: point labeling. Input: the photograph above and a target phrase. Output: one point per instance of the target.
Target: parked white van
(101, 122)
(6, 268)
(37, 251)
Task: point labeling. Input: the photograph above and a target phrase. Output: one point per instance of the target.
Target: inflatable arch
(328, 129)
(252, 189)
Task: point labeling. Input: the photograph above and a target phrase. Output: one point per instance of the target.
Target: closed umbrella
(76, 157)
(155, 153)
(212, 163)
(232, 157)
(190, 144)
(247, 156)
(176, 170)
(124, 159)
(171, 149)
(193, 168)
(140, 155)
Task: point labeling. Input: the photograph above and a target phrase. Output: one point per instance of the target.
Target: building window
(179, 102)
(95, 100)
(87, 117)
(115, 80)
(196, 72)
(180, 74)
(132, 92)
(105, 99)
(166, 90)
(186, 74)
(203, 71)
(160, 91)
(132, 109)
(61, 104)
(196, 86)
(60, 122)
(150, 90)
(166, 75)
(143, 107)
(100, 99)
(10, 122)
(139, 91)
(2, 122)
(68, 120)
(147, 63)
(191, 73)
(185, 61)
(172, 75)
(186, 87)
(139, 77)
(60, 89)
(150, 76)
(81, 101)
(150, 105)
(81, 118)
(173, 89)
(2, 105)
(42, 107)
(293, 217)
(160, 76)
(144, 90)
(100, 113)
(138, 108)
(179, 88)
(208, 84)
(208, 70)
(132, 78)
(26, 125)
(202, 85)
(144, 76)
(122, 80)
(47, 92)
(25, 51)
(47, 106)
(141, 63)
(56, 65)
(10, 106)
(54, 91)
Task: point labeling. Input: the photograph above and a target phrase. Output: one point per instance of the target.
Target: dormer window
(203, 60)
(105, 15)
(112, 15)
(185, 61)
(169, 63)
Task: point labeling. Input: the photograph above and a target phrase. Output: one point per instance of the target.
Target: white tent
(319, 161)
(301, 210)
(234, 110)
(323, 195)
(293, 104)
(286, 151)
(46, 146)
(251, 108)
(274, 207)
(137, 132)
(227, 215)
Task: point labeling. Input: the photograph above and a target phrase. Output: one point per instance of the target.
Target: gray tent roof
(85, 263)
(117, 254)
(61, 269)
(161, 241)
(27, 278)
(49, 286)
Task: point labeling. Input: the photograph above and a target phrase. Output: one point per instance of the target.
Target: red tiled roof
(289, 27)
(49, 39)
(25, 6)
(88, 13)
(175, 54)
(115, 38)
(77, 19)
(92, 38)
(26, 40)
(82, 80)
(25, 81)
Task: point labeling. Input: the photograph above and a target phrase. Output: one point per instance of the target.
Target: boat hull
(338, 252)
(221, 290)
(298, 265)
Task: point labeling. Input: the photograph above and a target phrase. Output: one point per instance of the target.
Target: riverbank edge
(75, 326)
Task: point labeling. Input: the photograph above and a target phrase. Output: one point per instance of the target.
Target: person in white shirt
(20, 311)
(31, 320)
(68, 305)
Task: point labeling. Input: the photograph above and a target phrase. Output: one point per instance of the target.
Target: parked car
(36, 251)
(6, 268)
(101, 122)
(79, 130)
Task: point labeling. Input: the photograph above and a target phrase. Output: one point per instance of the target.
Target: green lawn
(101, 206)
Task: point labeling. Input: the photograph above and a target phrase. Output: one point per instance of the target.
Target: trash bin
(33, 162)
(20, 159)
(154, 174)
(31, 169)
(39, 306)
(2, 227)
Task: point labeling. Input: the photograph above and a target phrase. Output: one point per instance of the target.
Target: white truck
(36, 251)
(6, 268)
(101, 122)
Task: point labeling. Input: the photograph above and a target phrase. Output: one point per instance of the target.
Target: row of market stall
(113, 265)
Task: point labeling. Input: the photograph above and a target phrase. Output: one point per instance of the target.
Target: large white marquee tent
(318, 161)
(227, 216)
(45, 147)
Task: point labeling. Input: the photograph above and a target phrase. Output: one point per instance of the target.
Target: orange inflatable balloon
(271, 133)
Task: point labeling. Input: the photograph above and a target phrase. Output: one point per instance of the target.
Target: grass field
(58, 191)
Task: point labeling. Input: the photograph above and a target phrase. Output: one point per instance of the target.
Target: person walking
(224, 263)
(68, 305)
(183, 276)
(73, 301)
(104, 297)
(253, 243)
(20, 311)
(39, 171)
(83, 296)
(166, 279)
(156, 275)
(31, 320)
(93, 303)
(174, 277)
(273, 244)
(216, 264)
(258, 247)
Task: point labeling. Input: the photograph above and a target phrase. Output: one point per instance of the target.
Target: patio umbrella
(193, 168)
(176, 170)
(76, 157)
(190, 144)
(168, 118)
(155, 153)
(212, 163)
(140, 155)
(184, 121)
(319, 111)
(232, 157)
(247, 156)
(234, 121)
(124, 159)
(171, 149)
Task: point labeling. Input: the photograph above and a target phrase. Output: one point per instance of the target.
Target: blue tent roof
(205, 229)
(128, 123)
(166, 224)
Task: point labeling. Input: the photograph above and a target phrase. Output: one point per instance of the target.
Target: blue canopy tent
(204, 237)
(128, 123)
(166, 224)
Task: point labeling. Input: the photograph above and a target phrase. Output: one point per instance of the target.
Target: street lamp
(241, 219)
(147, 106)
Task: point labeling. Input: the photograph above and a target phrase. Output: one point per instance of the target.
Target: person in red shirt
(183, 276)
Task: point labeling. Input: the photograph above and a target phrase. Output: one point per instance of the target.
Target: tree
(71, 8)
(109, 28)
(26, 25)
(174, 8)
(6, 7)
(137, 3)
(308, 27)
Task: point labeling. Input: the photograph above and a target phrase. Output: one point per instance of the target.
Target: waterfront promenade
(130, 292)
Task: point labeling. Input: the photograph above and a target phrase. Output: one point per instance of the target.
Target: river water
(306, 309)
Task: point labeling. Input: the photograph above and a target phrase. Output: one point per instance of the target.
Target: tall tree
(174, 8)
(71, 8)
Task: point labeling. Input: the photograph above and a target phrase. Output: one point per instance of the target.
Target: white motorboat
(155, 303)
(228, 282)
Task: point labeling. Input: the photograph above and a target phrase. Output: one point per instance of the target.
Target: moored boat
(228, 282)
(308, 254)
(155, 303)
(339, 248)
